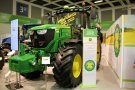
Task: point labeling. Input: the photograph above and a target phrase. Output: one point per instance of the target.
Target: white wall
(115, 15)
(4, 31)
(4, 28)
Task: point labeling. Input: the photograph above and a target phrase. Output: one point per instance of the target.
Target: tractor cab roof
(49, 26)
(27, 26)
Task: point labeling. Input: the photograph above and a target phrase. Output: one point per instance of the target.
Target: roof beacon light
(98, 1)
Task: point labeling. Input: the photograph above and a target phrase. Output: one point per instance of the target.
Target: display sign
(21, 9)
(67, 19)
(89, 58)
(14, 35)
(45, 60)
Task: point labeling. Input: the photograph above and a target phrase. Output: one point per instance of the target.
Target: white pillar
(99, 14)
(113, 14)
(42, 12)
(129, 11)
(29, 11)
(14, 7)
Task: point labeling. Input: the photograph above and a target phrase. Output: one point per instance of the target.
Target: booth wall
(128, 77)
(120, 49)
(113, 60)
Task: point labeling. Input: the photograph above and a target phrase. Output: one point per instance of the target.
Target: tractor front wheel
(68, 66)
(33, 75)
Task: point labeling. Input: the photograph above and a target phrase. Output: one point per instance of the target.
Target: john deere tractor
(54, 41)
(57, 42)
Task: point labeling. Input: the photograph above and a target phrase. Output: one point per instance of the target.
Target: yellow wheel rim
(77, 66)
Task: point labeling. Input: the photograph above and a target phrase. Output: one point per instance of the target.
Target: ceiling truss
(59, 4)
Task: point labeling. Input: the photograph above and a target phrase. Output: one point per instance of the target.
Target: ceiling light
(72, 7)
(98, 1)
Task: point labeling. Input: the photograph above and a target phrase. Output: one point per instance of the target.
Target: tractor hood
(49, 26)
(23, 57)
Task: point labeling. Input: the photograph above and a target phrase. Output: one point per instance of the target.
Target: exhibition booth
(120, 50)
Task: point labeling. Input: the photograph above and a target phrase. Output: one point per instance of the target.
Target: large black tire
(32, 75)
(63, 66)
(1, 60)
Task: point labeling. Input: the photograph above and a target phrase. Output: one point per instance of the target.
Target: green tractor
(54, 41)
(57, 42)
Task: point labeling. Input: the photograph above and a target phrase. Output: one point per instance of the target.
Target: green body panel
(62, 33)
(31, 61)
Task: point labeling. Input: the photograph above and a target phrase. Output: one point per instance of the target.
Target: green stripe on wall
(126, 80)
(6, 18)
(129, 45)
(87, 86)
(106, 25)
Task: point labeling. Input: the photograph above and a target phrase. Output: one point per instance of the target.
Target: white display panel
(89, 58)
(45, 60)
(14, 35)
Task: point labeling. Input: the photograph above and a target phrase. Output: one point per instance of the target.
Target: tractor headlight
(41, 32)
(33, 63)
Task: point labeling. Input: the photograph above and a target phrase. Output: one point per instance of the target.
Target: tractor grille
(42, 41)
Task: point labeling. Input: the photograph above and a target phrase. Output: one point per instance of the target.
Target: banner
(89, 58)
(14, 35)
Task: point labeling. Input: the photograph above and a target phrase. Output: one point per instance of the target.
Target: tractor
(55, 41)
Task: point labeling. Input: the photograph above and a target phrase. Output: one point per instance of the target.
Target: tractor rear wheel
(68, 66)
(98, 53)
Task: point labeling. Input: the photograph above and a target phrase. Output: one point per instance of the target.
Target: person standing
(99, 41)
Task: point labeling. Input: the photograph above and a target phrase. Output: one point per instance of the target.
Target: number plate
(45, 60)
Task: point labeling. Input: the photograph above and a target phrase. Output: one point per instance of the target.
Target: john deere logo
(117, 40)
(89, 65)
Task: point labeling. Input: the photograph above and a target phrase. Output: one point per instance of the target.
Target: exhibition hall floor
(105, 80)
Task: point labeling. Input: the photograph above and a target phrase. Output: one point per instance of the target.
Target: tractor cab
(41, 38)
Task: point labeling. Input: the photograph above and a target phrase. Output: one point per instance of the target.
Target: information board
(14, 35)
(89, 58)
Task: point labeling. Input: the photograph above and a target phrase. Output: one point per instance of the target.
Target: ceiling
(58, 4)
